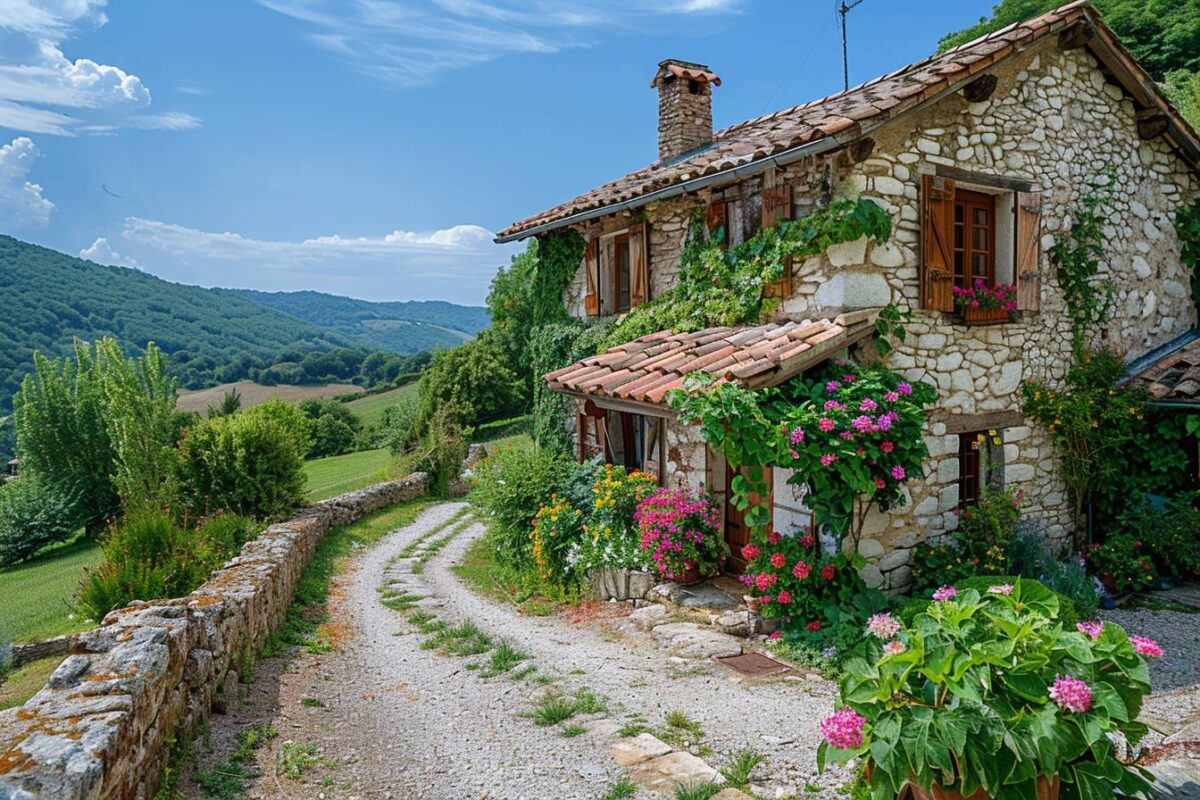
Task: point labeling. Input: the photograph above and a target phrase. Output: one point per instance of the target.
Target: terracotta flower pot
(984, 316)
(688, 576)
(1047, 789)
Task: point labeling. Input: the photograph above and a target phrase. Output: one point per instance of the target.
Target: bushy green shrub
(33, 514)
(148, 557)
(250, 464)
(1169, 535)
(440, 452)
(612, 537)
(1030, 556)
(396, 425)
(333, 427)
(509, 488)
(1121, 563)
(1068, 613)
(979, 545)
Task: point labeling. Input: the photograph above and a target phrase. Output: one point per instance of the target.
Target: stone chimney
(684, 106)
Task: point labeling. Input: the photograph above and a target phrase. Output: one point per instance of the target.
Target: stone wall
(98, 730)
(1054, 121)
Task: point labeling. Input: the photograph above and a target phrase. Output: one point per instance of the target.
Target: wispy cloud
(454, 263)
(22, 204)
(412, 43)
(44, 91)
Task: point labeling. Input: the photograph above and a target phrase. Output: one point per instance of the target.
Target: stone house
(978, 155)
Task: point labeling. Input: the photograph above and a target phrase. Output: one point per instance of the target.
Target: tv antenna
(844, 8)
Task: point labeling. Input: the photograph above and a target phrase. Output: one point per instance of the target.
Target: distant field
(329, 477)
(39, 594)
(369, 409)
(254, 393)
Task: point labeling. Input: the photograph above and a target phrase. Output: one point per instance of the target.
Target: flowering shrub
(1121, 564)
(611, 536)
(680, 531)
(797, 585)
(1001, 297)
(556, 527)
(987, 690)
(979, 546)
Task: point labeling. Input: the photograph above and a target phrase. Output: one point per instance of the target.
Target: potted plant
(985, 695)
(681, 532)
(609, 553)
(982, 305)
(1121, 564)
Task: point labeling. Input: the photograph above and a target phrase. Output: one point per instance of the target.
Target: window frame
(969, 201)
(621, 243)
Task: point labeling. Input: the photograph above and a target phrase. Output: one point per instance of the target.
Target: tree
(1183, 90)
(475, 381)
(231, 403)
(1163, 35)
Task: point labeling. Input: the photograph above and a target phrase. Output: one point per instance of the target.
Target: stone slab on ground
(690, 640)
(1177, 778)
(664, 772)
(649, 616)
(731, 794)
(707, 596)
(604, 727)
(637, 749)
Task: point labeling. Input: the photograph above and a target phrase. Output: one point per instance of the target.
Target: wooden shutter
(639, 264)
(776, 207)
(591, 270)
(718, 221)
(937, 243)
(1029, 250)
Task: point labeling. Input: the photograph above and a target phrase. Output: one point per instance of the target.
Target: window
(980, 464)
(974, 238)
(621, 273)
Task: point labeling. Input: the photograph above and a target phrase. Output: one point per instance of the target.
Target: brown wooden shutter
(639, 264)
(937, 243)
(776, 207)
(718, 218)
(591, 269)
(1029, 250)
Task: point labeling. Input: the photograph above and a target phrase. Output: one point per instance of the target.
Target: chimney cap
(672, 68)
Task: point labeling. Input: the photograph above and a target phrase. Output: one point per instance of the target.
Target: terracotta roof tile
(768, 135)
(646, 369)
(1175, 377)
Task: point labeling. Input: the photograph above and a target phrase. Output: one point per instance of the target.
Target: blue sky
(369, 147)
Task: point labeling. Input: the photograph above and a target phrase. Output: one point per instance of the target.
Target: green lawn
(518, 441)
(329, 477)
(369, 409)
(39, 594)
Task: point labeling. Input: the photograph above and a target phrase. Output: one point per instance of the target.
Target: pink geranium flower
(945, 593)
(1092, 627)
(774, 537)
(880, 483)
(826, 424)
(903, 387)
(1071, 694)
(844, 729)
(778, 560)
(783, 598)
(1145, 647)
(887, 445)
(898, 472)
(883, 626)
(891, 397)
(750, 551)
(832, 386)
(814, 626)
(867, 404)
(828, 572)
(807, 540)
(828, 459)
(802, 569)
(797, 435)
(775, 636)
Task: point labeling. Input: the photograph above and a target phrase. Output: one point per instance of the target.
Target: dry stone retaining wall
(98, 730)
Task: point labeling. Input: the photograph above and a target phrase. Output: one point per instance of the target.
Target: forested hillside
(401, 327)
(50, 298)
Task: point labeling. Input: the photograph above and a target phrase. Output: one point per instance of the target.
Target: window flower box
(984, 305)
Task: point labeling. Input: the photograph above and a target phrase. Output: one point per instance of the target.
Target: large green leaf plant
(988, 691)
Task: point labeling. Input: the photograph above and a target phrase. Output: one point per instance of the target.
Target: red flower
(880, 483)
(774, 537)
(801, 570)
(778, 560)
(783, 598)
(814, 626)
(827, 572)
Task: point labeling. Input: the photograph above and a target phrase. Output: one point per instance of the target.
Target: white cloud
(101, 252)
(454, 263)
(412, 43)
(21, 201)
(44, 91)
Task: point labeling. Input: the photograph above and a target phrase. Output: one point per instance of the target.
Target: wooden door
(737, 533)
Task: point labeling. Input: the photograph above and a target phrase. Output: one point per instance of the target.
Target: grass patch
(482, 575)
(504, 658)
(307, 612)
(369, 409)
(621, 790)
(24, 682)
(435, 546)
(296, 758)
(227, 780)
(586, 702)
(571, 731)
(553, 709)
(409, 550)
(524, 672)
(697, 791)
(739, 771)
(680, 730)
(464, 639)
(399, 601)
(39, 594)
(631, 729)
(313, 702)
(329, 477)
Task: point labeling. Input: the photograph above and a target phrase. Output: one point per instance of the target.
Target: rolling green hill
(401, 327)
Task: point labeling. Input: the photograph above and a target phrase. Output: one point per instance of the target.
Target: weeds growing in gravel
(464, 639)
(571, 731)
(399, 601)
(295, 758)
(621, 790)
(553, 709)
(412, 547)
(524, 672)
(631, 729)
(227, 780)
(504, 657)
(696, 791)
(681, 730)
(313, 702)
(586, 702)
(739, 771)
(434, 547)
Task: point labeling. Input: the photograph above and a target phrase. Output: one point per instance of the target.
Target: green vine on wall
(725, 287)
(1077, 257)
(1187, 227)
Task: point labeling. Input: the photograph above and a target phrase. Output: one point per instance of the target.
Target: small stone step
(663, 773)
(636, 749)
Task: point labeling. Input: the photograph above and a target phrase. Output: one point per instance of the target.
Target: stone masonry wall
(1053, 120)
(98, 730)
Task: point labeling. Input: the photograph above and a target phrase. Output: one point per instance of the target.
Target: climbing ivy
(558, 257)
(553, 346)
(725, 287)
(1187, 227)
(1077, 257)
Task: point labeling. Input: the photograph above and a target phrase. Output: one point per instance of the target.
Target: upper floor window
(616, 269)
(974, 238)
(621, 273)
